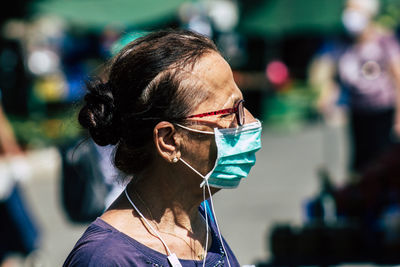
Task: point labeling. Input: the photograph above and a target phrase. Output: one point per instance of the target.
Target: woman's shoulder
(102, 245)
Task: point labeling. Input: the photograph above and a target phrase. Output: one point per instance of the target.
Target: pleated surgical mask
(236, 148)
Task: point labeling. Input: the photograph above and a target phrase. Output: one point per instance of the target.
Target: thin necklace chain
(192, 248)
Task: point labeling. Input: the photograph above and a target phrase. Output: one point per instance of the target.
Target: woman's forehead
(217, 78)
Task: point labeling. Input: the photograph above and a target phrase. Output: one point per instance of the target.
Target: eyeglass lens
(240, 113)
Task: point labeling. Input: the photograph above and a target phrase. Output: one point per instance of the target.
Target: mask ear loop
(197, 172)
(194, 130)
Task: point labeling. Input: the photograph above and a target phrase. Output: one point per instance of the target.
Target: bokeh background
(49, 47)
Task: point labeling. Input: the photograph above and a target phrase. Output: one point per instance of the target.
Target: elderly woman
(176, 117)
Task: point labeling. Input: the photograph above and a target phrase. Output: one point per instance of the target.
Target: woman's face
(216, 76)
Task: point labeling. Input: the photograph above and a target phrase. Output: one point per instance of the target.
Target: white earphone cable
(148, 224)
(207, 229)
(216, 223)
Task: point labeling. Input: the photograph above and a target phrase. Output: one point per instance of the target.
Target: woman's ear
(167, 141)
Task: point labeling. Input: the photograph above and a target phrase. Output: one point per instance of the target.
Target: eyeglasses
(238, 110)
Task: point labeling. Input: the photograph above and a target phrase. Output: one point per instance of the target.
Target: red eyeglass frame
(235, 110)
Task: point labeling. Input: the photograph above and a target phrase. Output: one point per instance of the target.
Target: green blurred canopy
(274, 18)
(99, 13)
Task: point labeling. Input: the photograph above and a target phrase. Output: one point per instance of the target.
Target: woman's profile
(181, 133)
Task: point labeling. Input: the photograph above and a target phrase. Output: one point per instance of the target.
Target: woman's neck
(170, 205)
(167, 201)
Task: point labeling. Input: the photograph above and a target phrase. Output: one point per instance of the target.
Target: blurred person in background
(18, 231)
(362, 77)
(170, 106)
(367, 73)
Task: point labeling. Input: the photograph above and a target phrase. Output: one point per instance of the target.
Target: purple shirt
(103, 245)
(365, 70)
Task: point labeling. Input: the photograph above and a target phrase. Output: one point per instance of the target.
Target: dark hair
(146, 82)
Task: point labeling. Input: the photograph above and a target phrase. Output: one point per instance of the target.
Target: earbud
(175, 160)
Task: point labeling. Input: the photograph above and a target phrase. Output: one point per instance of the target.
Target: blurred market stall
(93, 13)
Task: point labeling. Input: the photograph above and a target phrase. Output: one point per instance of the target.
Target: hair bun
(97, 115)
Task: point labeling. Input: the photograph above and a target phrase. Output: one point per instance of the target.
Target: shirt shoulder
(100, 245)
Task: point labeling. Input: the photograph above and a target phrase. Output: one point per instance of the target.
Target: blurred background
(303, 204)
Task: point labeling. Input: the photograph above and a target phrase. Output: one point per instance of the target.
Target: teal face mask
(236, 154)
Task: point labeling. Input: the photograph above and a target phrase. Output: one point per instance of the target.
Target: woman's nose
(248, 117)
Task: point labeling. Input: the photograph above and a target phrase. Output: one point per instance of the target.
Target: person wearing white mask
(358, 14)
(368, 74)
(181, 133)
(370, 71)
